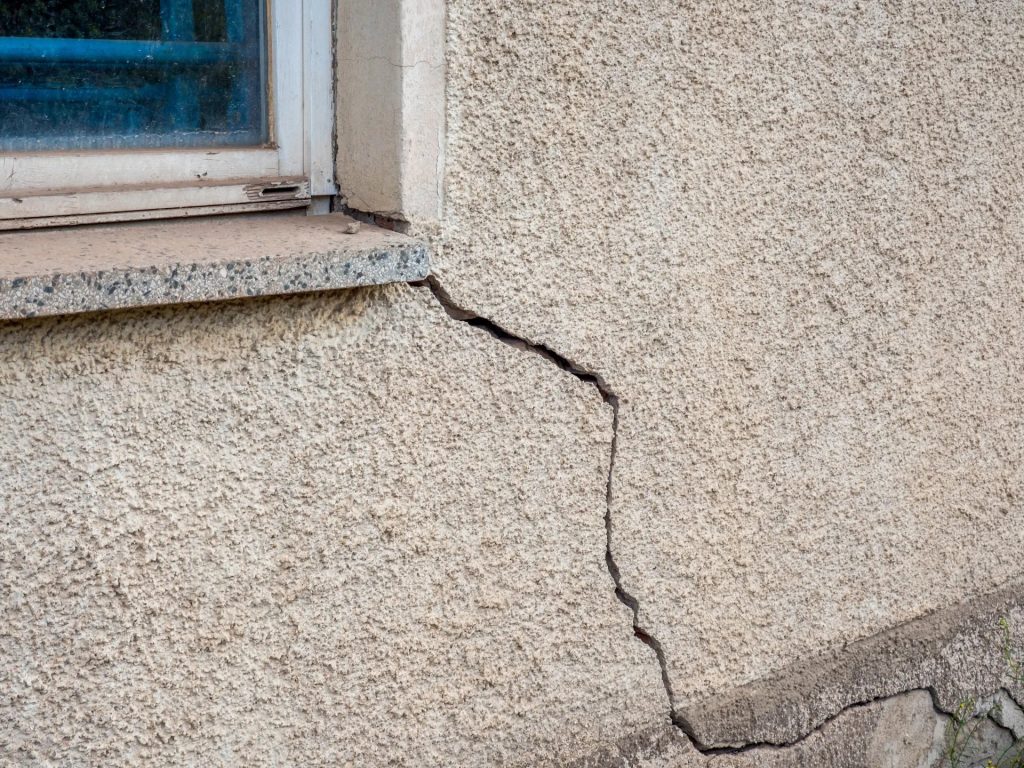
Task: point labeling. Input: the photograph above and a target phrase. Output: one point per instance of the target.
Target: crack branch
(779, 745)
(466, 316)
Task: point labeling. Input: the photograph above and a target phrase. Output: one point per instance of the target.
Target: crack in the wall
(611, 399)
(780, 745)
(630, 601)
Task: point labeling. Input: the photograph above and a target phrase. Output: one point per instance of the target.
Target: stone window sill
(116, 266)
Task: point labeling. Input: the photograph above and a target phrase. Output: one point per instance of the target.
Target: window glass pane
(110, 74)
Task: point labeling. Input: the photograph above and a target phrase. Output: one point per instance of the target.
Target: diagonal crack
(612, 400)
(466, 316)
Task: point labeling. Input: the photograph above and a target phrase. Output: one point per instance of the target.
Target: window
(128, 109)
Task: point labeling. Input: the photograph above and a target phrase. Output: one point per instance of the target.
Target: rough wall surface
(348, 530)
(789, 237)
(333, 530)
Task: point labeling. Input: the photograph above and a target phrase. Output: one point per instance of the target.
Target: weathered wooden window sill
(86, 269)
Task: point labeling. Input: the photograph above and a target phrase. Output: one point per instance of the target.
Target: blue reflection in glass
(110, 74)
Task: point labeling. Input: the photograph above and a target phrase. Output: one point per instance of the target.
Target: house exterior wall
(778, 248)
(788, 235)
(340, 529)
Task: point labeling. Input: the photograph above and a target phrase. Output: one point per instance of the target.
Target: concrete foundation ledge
(90, 268)
(954, 653)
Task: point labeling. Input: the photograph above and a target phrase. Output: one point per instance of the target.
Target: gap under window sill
(118, 266)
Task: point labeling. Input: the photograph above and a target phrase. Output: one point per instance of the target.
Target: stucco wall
(334, 530)
(788, 235)
(348, 529)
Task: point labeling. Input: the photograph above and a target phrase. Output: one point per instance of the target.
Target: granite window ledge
(117, 266)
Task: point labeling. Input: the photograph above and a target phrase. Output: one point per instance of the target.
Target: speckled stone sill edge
(198, 281)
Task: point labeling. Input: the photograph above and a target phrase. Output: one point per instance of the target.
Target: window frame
(296, 168)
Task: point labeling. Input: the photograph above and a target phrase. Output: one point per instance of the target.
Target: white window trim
(47, 189)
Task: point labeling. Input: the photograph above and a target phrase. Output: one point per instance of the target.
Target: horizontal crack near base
(772, 745)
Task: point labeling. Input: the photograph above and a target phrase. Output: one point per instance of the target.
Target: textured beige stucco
(789, 237)
(333, 530)
(347, 529)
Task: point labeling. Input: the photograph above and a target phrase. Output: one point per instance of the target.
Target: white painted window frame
(295, 170)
